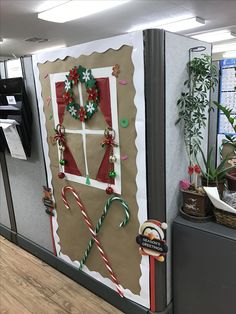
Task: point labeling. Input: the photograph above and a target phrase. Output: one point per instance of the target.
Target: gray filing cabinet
(204, 268)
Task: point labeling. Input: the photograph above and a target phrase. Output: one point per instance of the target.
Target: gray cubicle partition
(26, 178)
(4, 215)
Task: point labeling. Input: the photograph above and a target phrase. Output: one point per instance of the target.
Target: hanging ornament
(83, 76)
(60, 139)
(109, 190)
(61, 175)
(109, 143)
(112, 174)
(62, 162)
(112, 159)
(47, 201)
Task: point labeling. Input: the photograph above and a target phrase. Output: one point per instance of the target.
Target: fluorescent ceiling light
(182, 23)
(48, 4)
(224, 47)
(212, 37)
(49, 49)
(229, 54)
(73, 10)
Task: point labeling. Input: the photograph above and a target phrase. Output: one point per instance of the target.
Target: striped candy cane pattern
(101, 220)
(91, 229)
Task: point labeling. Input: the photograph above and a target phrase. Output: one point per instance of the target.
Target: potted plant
(195, 200)
(194, 106)
(228, 147)
(214, 175)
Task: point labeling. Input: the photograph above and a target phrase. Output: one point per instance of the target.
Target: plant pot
(228, 150)
(220, 185)
(196, 204)
(231, 180)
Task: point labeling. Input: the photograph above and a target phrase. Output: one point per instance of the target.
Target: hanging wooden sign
(151, 239)
(155, 244)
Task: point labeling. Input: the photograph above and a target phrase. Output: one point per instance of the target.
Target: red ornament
(190, 170)
(109, 190)
(197, 169)
(61, 175)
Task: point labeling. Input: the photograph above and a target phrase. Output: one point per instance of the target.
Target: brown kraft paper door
(118, 243)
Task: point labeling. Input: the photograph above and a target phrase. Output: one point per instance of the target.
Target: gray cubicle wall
(27, 178)
(176, 56)
(4, 216)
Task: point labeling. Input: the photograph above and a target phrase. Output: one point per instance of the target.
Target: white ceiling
(18, 21)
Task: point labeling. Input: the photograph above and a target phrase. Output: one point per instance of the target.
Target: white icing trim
(136, 41)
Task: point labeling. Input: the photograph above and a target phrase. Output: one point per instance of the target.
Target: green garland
(84, 76)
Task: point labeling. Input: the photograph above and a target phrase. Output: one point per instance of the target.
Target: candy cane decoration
(91, 229)
(101, 220)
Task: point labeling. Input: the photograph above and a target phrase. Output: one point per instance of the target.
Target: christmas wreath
(84, 76)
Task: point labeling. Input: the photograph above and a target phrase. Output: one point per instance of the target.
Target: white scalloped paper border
(136, 41)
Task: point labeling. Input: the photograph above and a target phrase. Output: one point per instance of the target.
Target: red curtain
(105, 99)
(70, 166)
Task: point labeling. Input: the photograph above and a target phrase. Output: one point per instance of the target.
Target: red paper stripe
(70, 166)
(105, 98)
(152, 284)
(60, 89)
(105, 167)
(53, 241)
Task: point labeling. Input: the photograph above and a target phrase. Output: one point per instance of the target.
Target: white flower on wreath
(86, 76)
(72, 111)
(67, 85)
(90, 107)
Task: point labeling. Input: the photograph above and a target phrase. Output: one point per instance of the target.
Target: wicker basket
(225, 218)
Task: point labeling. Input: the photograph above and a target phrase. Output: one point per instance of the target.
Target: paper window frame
(105, 72)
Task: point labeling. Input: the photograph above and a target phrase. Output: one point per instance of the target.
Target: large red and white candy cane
(91, 229)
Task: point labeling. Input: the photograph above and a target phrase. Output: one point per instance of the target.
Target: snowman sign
(151, 239)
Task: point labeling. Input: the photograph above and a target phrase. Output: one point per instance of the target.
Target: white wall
(177, 55)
